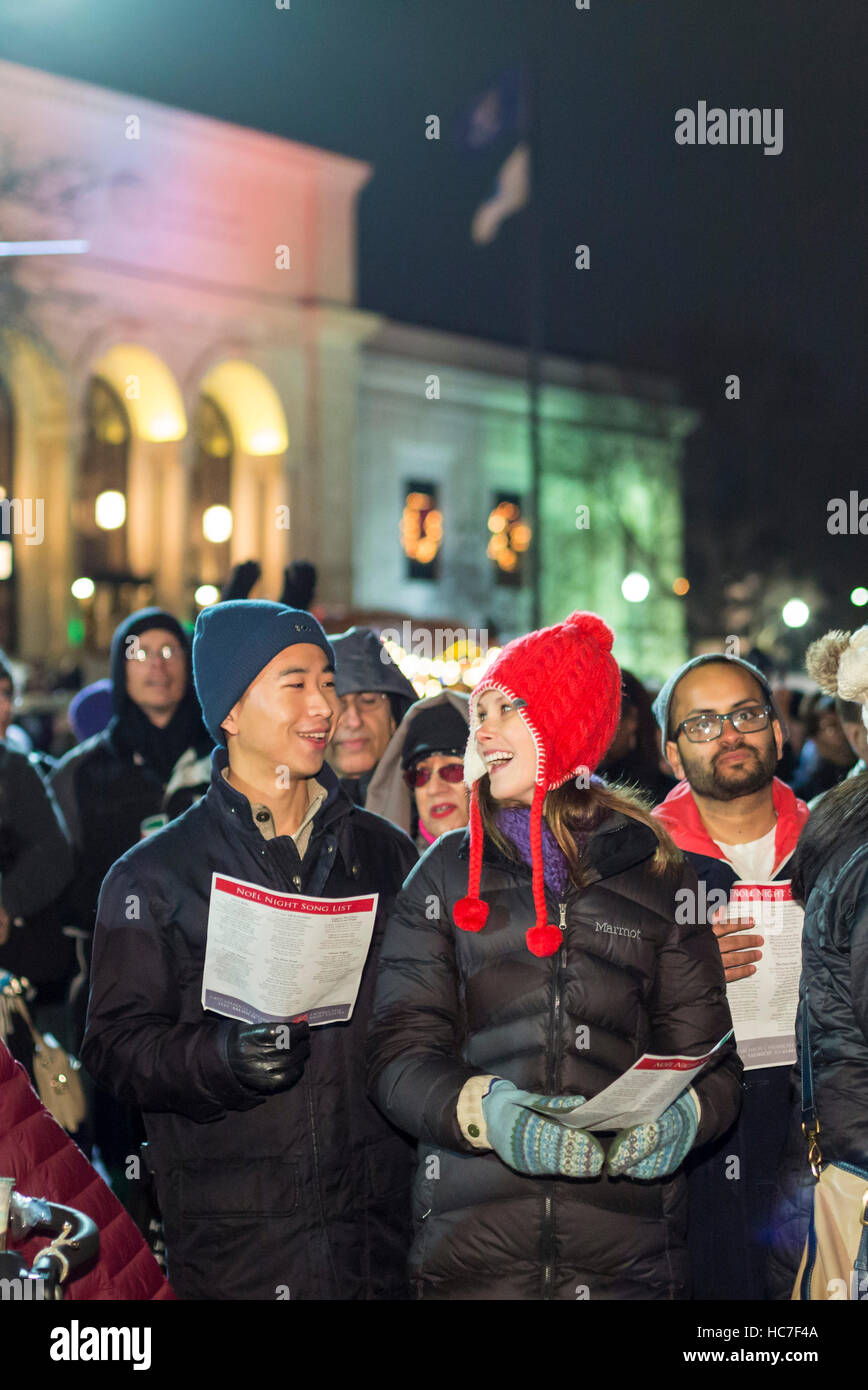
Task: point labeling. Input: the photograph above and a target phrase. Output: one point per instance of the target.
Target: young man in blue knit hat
(276, 1176)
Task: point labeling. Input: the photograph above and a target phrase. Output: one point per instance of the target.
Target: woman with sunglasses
(419, 783)
(538, 955)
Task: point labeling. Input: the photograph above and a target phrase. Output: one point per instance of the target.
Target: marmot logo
(633, 933)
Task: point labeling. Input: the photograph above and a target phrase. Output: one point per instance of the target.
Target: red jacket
(45, 1163)
(680, 814)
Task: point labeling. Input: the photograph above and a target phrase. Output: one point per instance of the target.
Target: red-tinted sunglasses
(418, 776)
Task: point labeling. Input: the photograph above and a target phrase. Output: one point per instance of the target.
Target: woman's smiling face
(441, 805)
(506, 746)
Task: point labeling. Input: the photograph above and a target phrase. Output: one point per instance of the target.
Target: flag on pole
(499, 112)
(496, 112)
(511, 193)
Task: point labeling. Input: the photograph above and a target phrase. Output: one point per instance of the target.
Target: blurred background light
(795, 613)
(635, 587)
(217, 524)
(110, 510)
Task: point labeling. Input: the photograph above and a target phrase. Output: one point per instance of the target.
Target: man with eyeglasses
(110, 789)
(374, 697)
(735, 821)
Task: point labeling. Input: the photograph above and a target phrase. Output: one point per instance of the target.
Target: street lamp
(795, 613)
(217, 524)
(110, 510)
(635, 587)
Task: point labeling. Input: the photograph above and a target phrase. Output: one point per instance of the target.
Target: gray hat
(362, 663)
(664, 699)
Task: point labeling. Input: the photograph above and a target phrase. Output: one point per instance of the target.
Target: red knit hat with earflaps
(571, 686)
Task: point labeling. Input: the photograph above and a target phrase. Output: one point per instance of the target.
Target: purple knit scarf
(514, 822)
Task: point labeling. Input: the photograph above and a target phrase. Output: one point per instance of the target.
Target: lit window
(422, 531)
(509, 539)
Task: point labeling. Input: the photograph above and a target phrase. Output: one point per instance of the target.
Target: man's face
(736, 764)
(363, 730)
(156, 671)
(6, 700)
(284, 718)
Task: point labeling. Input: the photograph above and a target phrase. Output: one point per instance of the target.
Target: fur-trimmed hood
(388, 793)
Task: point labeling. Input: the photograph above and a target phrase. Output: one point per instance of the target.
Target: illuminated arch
(148, 390)
(250, 404)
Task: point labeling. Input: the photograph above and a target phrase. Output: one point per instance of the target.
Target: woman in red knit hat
(537, 955)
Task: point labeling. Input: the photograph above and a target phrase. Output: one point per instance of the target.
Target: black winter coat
(304, 1194)
(452, 1004)
(36, 864)
(835, 978)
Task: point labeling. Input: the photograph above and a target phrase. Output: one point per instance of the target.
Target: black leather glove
(241, 580)
(268, 1057)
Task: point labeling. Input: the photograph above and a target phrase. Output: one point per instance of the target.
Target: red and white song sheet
(271, 957)
(641, 1094)
(763, 1006)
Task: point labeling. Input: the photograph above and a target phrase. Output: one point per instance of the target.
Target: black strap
(807, 1069)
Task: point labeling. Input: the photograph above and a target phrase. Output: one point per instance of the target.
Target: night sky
(704, 260)
(674, 232)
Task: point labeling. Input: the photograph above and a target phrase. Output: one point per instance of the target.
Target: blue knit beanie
(234, 641)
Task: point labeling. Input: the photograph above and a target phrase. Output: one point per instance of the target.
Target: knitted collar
(514, 822)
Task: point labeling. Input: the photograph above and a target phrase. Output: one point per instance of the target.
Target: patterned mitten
(655, 1149)
(530, 1143)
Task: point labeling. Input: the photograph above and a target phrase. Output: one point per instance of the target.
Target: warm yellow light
(681, 586)
(147, 389)
(266, 442)
(205, 594)
(82, 588)
(520, 536)
(497, 522)
(5, 559)
(217, 524)
(110, 510)
(250, 404)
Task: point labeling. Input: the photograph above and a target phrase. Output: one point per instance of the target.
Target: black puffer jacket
(835, 977)
(452, 1004)
(306, 1191)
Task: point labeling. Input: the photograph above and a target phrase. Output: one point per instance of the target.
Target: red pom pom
(470, 914)
(544, 941)
(592, 627)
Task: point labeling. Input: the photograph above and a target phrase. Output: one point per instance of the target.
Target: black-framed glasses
(418, 776)
(705, 728)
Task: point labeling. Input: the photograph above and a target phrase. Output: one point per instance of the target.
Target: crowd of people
(529, 843)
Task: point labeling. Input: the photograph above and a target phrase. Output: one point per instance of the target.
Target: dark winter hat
(570, 688)
(133, 626)
(234, 641)
(91, 709)
(441, 729)
(663, 702)
(364, 664)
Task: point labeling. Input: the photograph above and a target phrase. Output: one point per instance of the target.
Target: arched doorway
(210, 498)
(99, 516)
(126, 504)
(238, 469)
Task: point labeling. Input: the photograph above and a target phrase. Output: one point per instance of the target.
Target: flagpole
(535, 328)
